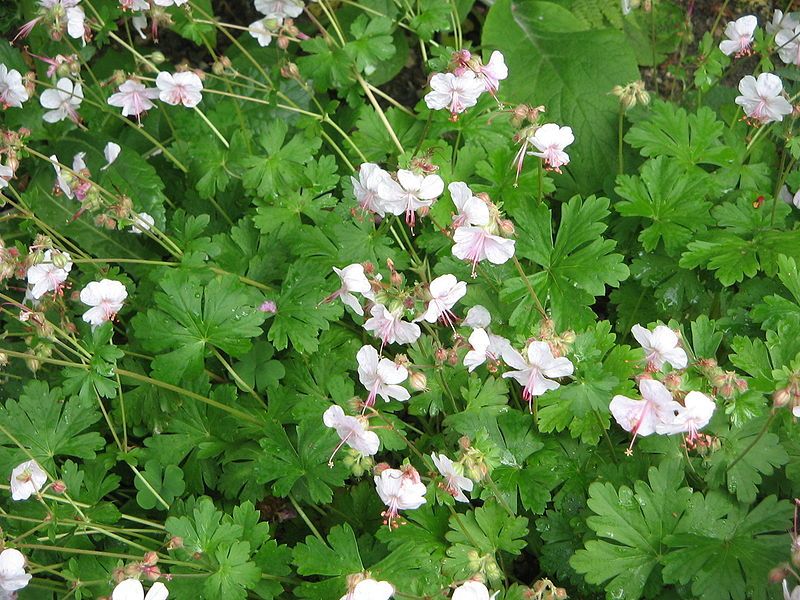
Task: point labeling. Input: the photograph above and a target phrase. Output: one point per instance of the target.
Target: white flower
(456, 484)
(536, 372)
(695, 414)
(660, 346)
(493, 72)
(262, 31)
(550, 140)
(381, 376)
(455, 93)
(410, 192)
(353, 280)
(399, 490)
(134, 98)
(369, 589)
(6, 173)
(788, 41)
(132, 589)
(106, 298)
(472, 590)
(63, 101)
(445, 291)
(142, 222)
(485, 346)
(47, 277)
(27, 479)
(642, 417)
(180, 88)
(366, 188)
(781, 21)
(740, 36)
(761, 98)
(475, 244)
(795, 595)
(170, 2)
(280, 8)
(12, 92)
(477, 317)
(471, 209)
(75, 23)
(351, 431)
(390, 327)
(111, 152)
(12, 572)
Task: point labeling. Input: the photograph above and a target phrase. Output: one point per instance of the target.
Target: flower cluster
(460, 88)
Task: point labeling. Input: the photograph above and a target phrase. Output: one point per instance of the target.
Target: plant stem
(620, 126)
(305, 518)
(752, 444)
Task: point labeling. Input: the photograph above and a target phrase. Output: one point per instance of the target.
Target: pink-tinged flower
(133, 98)
(12, 92)
(781, 21)
(268, 306)
(795, 595)
(445, 291)
(455, 482)
(454, 92)
(660, 346)
(536, 371)
(6, 173)
(493, 72)
(134, 5)
(410, 192)
(369, 589)
(27, 479)
(473, 590)
(477, 317)
(762, 98)
(352, 431)
(353, 280)
(106, 298)
(132, 589)
(390, 327)
(76, 23)
(61, 180)
(280, 8)
(550, 141)
(12, 572)
(788, 41)
(48, 277)
(475, 244)
(641, 417)
(367, 188)
(485, 346)
(181, 88)
(740, 36)
(263, 30)
(110, 152)
(141, 222)
(64, 100)
(471, 209)
(399, 490)
(381, 376)
(695, 414)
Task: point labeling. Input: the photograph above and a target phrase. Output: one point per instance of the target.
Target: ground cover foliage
(413, 299)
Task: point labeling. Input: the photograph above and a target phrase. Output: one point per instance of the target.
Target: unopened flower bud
(157, 57)
(105, 221)
(150, 558)
(151, 573)
(452, 358)
(440, 355)
(58, 487)
(418, 381)
(380, 468)
(781, 397)
(118, 574)
(507, 228)
(3, 359)
(63, 70)
(175, 542)
(396, 279)
(560, 594)
(778, 574)
(290, 71)
(283, 43)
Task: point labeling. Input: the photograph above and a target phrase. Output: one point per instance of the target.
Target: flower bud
(380, 468)
(440, 355)
(150, 558)
(396, 279)
(418, 381)
(507, 228)
(778, 574)
(151, 573)
(175, 542)
(290, 71)
(283, 43)
(105, 221)
(3, 360)
(63, 70)
(58, 487)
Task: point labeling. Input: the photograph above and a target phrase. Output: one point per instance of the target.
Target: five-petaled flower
(353, 280)
(455, 482)
(381, 376)
(471, 209)
(660, 346)
(472, 590)
(493, 72)
(12, 573)
(180, 88)
(390, 327)
(12, 92)
(456, 93)
(351, 430)
(476, 244)
(106, 298)
(642, 417)
(740, 36)
(445, 291)
(695, 414)
(367, 188)
(27, 479)
(47, 276)
(399, 490)
(134, 98)
(550, 141)
(63, 101)
(409, 193)
(762, 99)
(536, 371)
(132, 589)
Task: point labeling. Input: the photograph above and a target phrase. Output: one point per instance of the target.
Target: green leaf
(484, 403)
(192, 319)
(371, 43)
(203, 529)
(48, 426)
(690, 139)
(336, 559)
(235, 573)
(632, 525)
(671, 198)
(724, 550)
(167, 483)
(539, 39)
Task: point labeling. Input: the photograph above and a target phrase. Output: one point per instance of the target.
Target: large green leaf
(552, 62)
